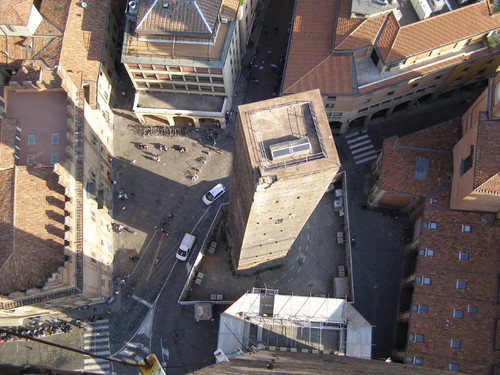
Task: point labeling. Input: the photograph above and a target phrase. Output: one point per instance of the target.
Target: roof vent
(165, 5)
(298, 146)
(224, 20)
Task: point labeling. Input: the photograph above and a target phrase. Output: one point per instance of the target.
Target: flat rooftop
(170, 100)
(43, 132)
(286, 131)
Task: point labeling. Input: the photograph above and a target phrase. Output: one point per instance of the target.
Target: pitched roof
(32, 223)
(181, 16)
(400, 155)
(311, 41)
(487, 156)
(15, 12)
(333, 74)
(351, 34)
(46, 42)
(83, 41)
(322, 28)
(435, 31)
(7, 142)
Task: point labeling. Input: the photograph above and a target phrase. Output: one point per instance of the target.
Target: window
(421, 90)
(177, 77)
(30, 159)
(472, 309)
(331, 98)
(191, 78)
(458, 314)
(337, 114)
(455, 344)
(420, 309)
(466, 228)
(387, 101)
(426, 252)
(463, 255)
(329, 105)
(390, 93)
(480, 72)
(454, 367)
(55, 139)
(93, 139)
(398, 98)
(363, 109)
(54, 158)
(31, 139)
(414, 85)
(11, 29)
(434, 201)
(432, 87)
(461, 284)
(430, 225)
(422, 280)
(414, 360)
(437, 77)
(366, 101)
(416, 337)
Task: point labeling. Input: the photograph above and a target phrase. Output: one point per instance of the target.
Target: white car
(213, 194)
(185, 246)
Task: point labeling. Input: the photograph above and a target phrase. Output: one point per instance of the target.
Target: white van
(186, 245)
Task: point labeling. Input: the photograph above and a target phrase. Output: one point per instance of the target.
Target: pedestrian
(113, 181)
(269, 52)
(353, 241)
(158, 158)
(124, 208)
(215, 143)
(110, 159)
(132, 162)
(156, 260)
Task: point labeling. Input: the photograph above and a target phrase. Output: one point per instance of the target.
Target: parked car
(186, 245)
(213, 194)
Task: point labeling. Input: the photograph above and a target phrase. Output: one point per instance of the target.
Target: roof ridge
(308, 72)
(383, 27)
(352, 32)
(195, 2)
(146, 14)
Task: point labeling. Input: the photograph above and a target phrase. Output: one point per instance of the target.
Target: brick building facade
(449, 308)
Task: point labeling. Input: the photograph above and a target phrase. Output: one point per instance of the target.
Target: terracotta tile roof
(230, 8)
(33, 229)
(45, 43)
(332, 75)
(197, 16)
(487, 156)
(311, 41)
(436, 31)
(312, 37)
(83, 41)
(7, 142)
(399, 159)
(388, 34)
(15, 12)
(351, 34)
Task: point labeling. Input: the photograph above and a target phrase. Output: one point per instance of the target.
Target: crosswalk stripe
(91, 340)
(357, 139)
(359, 144)
(355, 134)
(364, 154)
(94, 361)
(362, 149)
(102, 352)
(365, 160)
(96, 334)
